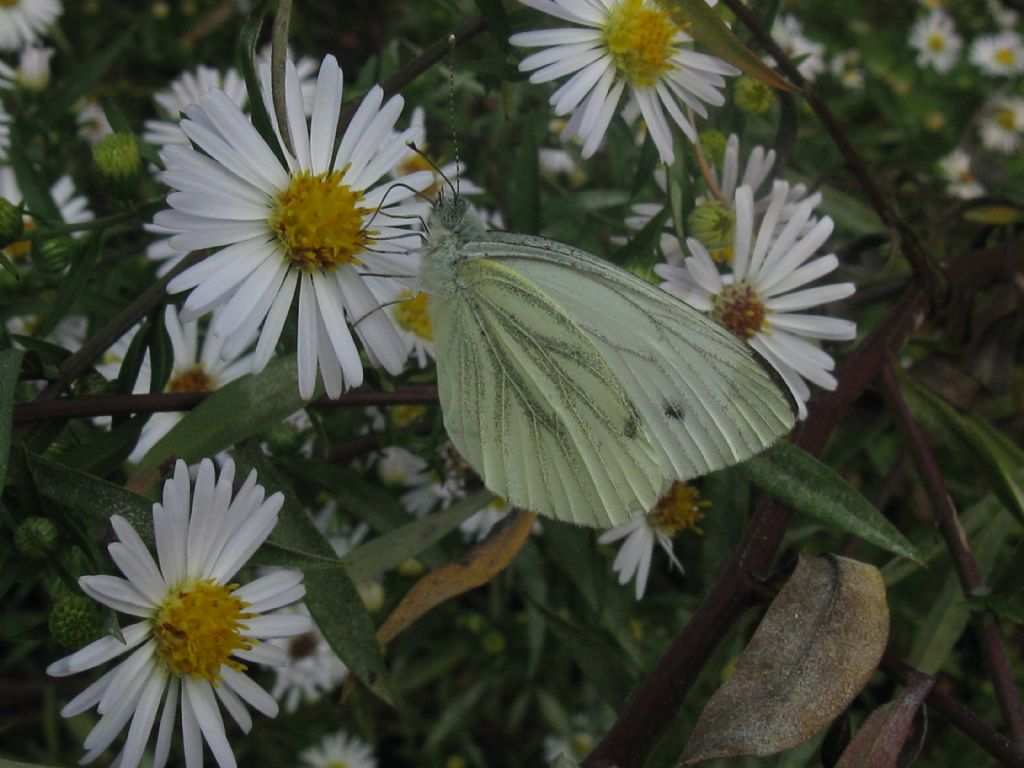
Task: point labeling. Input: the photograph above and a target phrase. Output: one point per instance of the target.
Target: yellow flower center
(404, 415)
(1006, 57)
(319, 222)
(412, 314)
(936, 43)
(722, 255)
(740, 309)
(21, 248)
(195, 379)
(678, 510)
(639, 39)
(198, 628)
(1006, 119)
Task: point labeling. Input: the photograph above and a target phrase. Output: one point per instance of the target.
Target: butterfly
(576, 389)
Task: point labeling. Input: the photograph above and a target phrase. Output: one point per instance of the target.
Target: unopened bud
(713, 224)
(75, 622)
(35, 537)
(283, 439)
(372, 593)
(753, 96)
(712, 143)
(54, 254)
(120, 165)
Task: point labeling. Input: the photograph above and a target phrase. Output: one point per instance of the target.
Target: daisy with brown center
(960, 180)
(198, 629)
(680, 509)
(617, 45)
(23, 21)
(312, 226)
(760, 300)
(197, 368)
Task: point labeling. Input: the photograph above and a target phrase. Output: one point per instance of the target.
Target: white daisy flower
(1001, 54)
(935, 39)
(615, 45)
(196, 369)
(956, 168)
(23, 21)
(1004, 17)
(789, 34)
(73, 208)
(306, 67)
(760, 301)
(198, 630)
(339, 750)
(554, 161)
(313, 669)
(312, 227)
(185, 91)
(678, 510)
(1002, 124)
(398, 466)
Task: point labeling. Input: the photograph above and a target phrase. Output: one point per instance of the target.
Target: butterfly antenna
(451, 110)
(379, 209)
(412, 145)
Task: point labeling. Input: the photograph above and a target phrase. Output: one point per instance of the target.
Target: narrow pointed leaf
(10, 365)
(818, 644)
(796, 478)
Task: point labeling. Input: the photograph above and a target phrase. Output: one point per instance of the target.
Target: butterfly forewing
(532, 402)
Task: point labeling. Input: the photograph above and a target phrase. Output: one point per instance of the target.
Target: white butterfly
(576, 389)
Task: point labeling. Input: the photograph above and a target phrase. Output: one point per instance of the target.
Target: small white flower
(1001, 54)
(1002, 124)
(34, 67)
(760, 301)
(1004, 17)
(614, 45)
(313, 669)
(479, 524)
(935, 39)
(339, 750)
(956, 167)
(399, 466)
(197, 631)
(185, 91)
(678, 510)
(846, 67)
(789, 34)
(23, 21)
(196, 369)
(310, 227)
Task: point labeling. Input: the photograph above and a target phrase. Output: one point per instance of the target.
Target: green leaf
(331, 594)
(87, 75)
(10, 365)
(233, 413)
(524, 209)
(388, 551)
(34, 190)
(5, 763)
(247, 40)
(497, 20)
(706, 27)
(796, 478)
(1008, 606)
(994, 454)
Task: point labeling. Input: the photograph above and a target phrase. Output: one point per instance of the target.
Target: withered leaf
(820, 640)
(881, 740)
(483, 563)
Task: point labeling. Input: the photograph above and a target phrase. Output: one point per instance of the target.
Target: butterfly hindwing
(531, 401)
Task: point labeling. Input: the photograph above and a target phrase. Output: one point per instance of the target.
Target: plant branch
(432, 54)
(967, 721)
(911, 246)
(117, 404)
(278, 67)
(971, 579)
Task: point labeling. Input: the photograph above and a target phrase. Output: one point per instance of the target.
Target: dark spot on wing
(632, 427)
(673, 411)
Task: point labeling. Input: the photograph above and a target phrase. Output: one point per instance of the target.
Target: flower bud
(753, 96)
(35, 537)
(283, 438)
(75, 622)
(54, 254)
(118, 160)
(12, 224)
(372, 594)
(712, 143)
(713, 224)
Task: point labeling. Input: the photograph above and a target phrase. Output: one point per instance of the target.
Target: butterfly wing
(530, 401)
(705, 399)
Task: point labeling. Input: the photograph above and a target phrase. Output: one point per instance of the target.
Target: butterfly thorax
(452, 224)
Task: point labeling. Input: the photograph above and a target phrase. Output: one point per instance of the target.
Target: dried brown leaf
(880, 741)
(820, 640)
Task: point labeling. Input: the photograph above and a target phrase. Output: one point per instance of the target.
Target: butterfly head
(454, 215)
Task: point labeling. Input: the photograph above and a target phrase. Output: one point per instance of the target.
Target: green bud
(12, 224)
(713, 224)
(35, 537)
(75, 622)
(283, 439)
(712, 143)
(120, 165)
(494, 643)
(410, 567)
(54, 254)
(753, 96)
